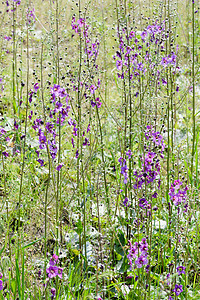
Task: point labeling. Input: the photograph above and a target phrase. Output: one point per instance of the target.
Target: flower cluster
(59, 113)
(135, 55)
(124, 169)
(91, 50)
(178, 288)
(75, 133)
(30, 15)
(151, 162)
(96, 103)
(178, 195)
(137, 254)
(126, 202)
(169, 60)
(156, 137)
(18, 2)
(53, 270)
(33, 92)
(81, 27)
(131, 45)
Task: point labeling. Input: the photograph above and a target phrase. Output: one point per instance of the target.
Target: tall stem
(49, 172)
(193, 84)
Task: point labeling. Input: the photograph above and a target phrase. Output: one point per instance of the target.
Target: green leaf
(123, 265)
(1, 251)
(79, 227)
(18, 279)
(31, 243)
(13, 285)
(119, 243)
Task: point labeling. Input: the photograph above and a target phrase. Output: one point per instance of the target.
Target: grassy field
(99, 150)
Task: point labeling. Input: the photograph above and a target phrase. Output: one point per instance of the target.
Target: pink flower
(1, 285)
(52, 271)
(92, 88)
(141, 261)
(60, 271)
(53, 260)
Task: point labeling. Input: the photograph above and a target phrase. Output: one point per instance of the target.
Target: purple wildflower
(178, 196)
(39, 273)
(59, 167)
(6, 154)
(53, 293)
(138, 252)
(7, 38)
(31, 115)
(141, 261)
(30, 96)
(60, 271)
(58, 106)
(17, 2)
(16, 126)
(143, 202)
(42, 139)
(181, 270)
(72, 140)
(1, 285)
(49, 127)
(86, 142)
(2, 131)
(98, 103)
(55, 90)
(178, 289)
(88, 128)
(52, 271)
(92, 88)
(125, 202)
(30, 15)
(129, 154)
(62, 93)
(124, 169)
(81, 22)
(41, 162)
(119, 64)
(93, 103)
(36, 87)
(53, 260)
(155, 194)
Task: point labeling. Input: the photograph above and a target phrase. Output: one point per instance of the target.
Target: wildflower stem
(193, 94)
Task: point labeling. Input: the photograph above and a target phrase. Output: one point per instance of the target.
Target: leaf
(79, 227)
(18, 279)
(1, 251)
(76, 252)
(119, 243)
(31, 243)
(124, 265)
(13, 286)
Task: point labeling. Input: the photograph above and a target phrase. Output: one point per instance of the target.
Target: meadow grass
(99, 133)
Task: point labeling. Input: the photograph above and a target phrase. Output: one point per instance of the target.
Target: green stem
(193, 83)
